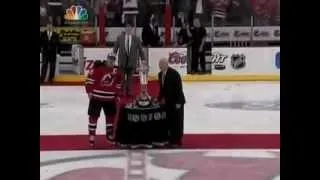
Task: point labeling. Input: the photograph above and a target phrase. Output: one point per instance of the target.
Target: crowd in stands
(225, 12)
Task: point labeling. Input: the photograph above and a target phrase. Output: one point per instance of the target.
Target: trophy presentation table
(142, 122)
(141, 126)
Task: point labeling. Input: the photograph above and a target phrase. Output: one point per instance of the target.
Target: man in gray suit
(130, 49)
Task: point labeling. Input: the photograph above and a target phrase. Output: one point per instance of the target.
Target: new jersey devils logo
(107, 80)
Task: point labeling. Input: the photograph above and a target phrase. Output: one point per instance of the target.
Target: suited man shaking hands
(172, 97)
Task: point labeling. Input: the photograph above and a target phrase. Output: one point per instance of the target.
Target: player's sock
(92, 129)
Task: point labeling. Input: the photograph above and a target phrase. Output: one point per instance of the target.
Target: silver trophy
(143, 74)
(144, 99)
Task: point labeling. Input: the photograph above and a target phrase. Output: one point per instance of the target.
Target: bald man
(172, 97)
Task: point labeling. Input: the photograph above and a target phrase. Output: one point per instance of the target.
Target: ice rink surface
(212, 108)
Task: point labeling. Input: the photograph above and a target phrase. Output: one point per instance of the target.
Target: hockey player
(103, 85)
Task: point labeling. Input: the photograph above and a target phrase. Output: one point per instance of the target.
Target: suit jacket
(130, 60)
(150, 37)
(49, 47)
(171, 90)
(183, 38)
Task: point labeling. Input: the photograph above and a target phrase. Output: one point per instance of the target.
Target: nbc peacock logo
(76, 13)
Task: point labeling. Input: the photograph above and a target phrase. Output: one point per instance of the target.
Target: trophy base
(144, 101)
(144, 104)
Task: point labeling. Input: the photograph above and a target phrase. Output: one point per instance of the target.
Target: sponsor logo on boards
(218, 61)
(277, 60)
(238, 61)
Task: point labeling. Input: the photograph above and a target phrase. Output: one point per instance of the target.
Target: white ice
(66, 109)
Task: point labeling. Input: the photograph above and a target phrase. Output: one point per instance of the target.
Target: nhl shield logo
(238, 61)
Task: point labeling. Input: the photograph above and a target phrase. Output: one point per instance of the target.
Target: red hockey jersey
(104, 83)
(220, 7)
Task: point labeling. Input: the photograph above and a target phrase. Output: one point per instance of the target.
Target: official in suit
(130, 49)
(172, 97)
(198, 35)
(150, 33)
(49, 46)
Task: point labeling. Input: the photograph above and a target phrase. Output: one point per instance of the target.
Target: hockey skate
(109, 134)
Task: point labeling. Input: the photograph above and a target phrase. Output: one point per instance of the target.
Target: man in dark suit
(172, 97)
(49, 46)
(183, 38)
(197, 33)
(150, 33)
(130, 49)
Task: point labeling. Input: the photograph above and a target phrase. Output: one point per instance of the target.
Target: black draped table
(141, 126)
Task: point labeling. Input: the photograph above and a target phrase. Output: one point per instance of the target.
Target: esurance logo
(221, 34)
(77, 14)
(258, 33)
(239, 34)
(277, 60)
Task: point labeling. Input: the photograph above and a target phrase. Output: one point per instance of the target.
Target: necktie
(163, 78)
(128, 44)
(49, 35)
